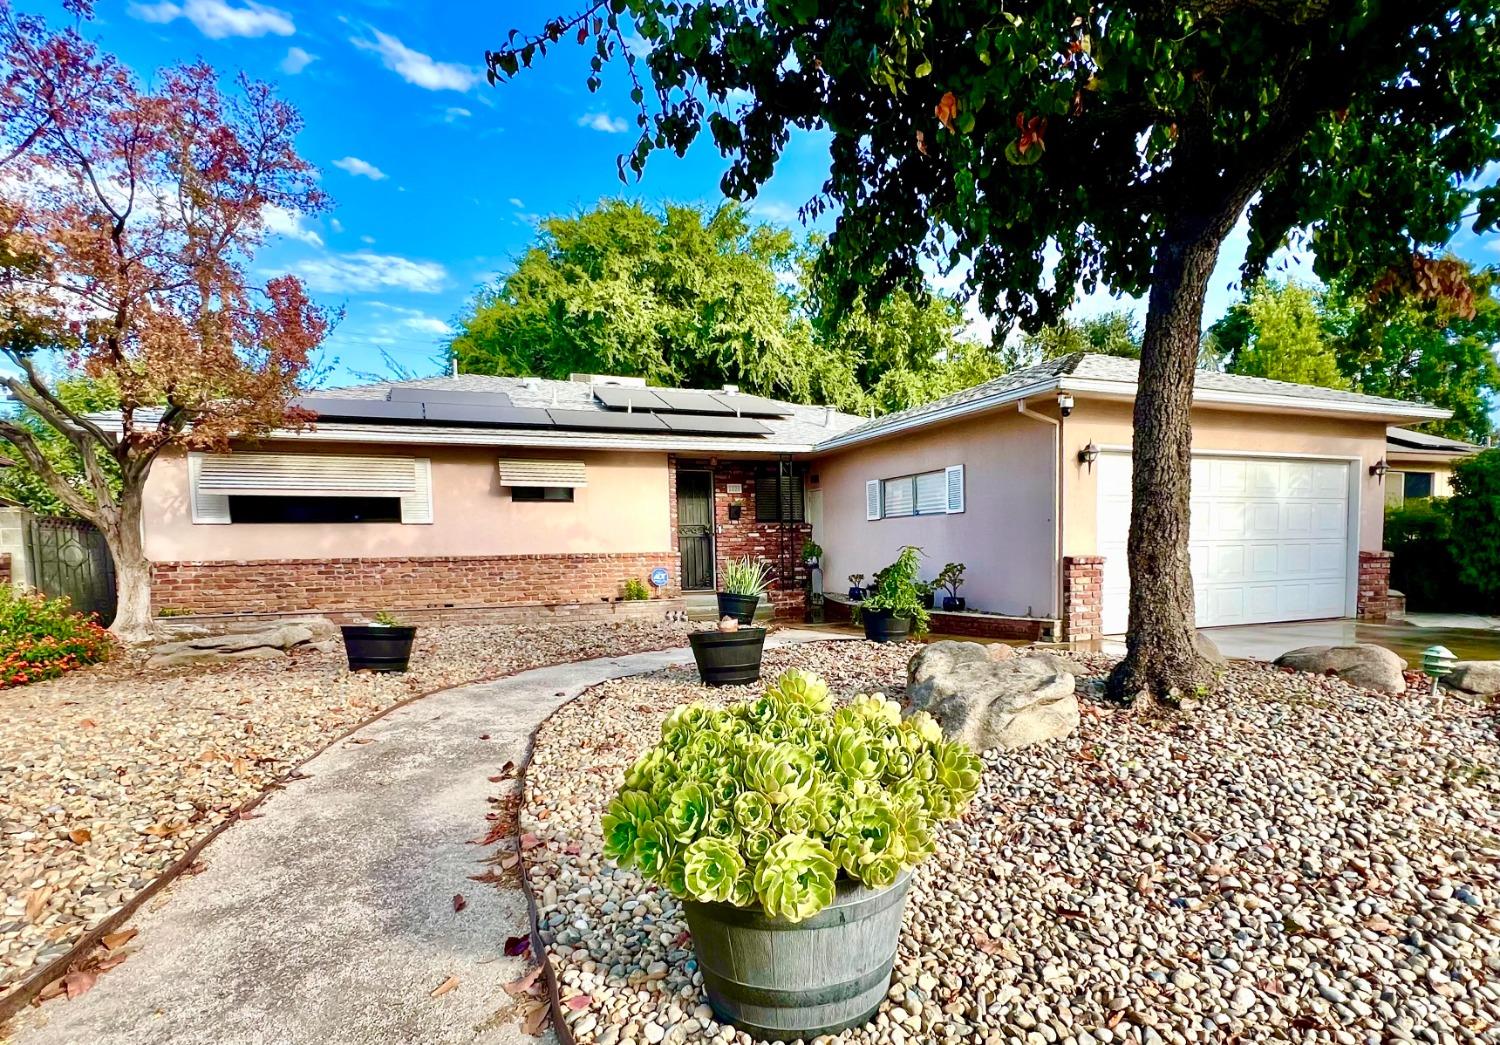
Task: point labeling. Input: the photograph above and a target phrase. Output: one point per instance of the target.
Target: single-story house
(473, 492)
(1421, 465)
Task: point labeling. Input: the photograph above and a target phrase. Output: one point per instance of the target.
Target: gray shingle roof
(1405, 439)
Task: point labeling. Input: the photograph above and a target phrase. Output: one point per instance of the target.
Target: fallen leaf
(507, 771)
(530, 841)
(88, 723)
(36, 902)
(114, 941)
(579, 1001)
(524, 984)
(536, 1018)
(1068, 912)
(162, 830)
(509, 861)
(363, 740)
(80, 835)
(484, 736)
(106, 964)
(459, 903)
(246, 814)
(517, 945)
(444, 987)
(78, 983)
(196, 867)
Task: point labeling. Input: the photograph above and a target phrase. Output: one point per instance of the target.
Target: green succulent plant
(770, 803)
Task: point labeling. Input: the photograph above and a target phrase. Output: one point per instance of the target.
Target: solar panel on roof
(602, 420)
(705, 425)
(752, 406)
(374, 410)
(487, 416)
(618, 398)
(686, 401)
(458, 396)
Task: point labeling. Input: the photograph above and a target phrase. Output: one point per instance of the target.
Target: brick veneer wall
(411, 583)
(1083, 595)
(1373, 601)
(779, 544)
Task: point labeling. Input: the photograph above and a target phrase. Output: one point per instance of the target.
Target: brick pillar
(1374, 599)
(5, 577)
(1083, 593)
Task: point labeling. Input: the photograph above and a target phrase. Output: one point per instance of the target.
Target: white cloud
(415, 67)
(365, 271)
(415, 319)
(603, 121)
(455, 112)
(367, 239)
(515, 201)
(336, 225)
(775, 212)
(360, 168)
(296, 60)
(289, 223)
(218, 19)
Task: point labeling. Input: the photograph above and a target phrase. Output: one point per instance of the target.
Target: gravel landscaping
(1295, 860)
(108, 775)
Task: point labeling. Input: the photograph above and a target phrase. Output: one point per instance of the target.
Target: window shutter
(208, 508)
(778, 494)
(955, 475)
(516, 472)
(313, 475)
(872, 499)
(416, 507)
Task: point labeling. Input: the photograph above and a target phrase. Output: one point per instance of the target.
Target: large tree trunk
(1161, 650)
(122, 532)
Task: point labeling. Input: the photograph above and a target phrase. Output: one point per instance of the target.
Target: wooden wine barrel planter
(728, 658)
(740, 607)
(881, 626)
(779, 980)
(372, 647)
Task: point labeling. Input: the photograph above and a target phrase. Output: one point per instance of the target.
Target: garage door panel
(1269, 539)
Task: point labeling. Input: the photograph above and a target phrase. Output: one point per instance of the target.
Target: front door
(695, 529)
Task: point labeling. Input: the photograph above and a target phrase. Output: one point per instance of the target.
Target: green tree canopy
(698, 297)
(22, 484)
(1277, 332)
(1113, 333)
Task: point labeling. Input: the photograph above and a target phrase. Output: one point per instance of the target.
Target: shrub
(41, 638)
(636, 590)
(766, 804)
(1475, 511)
(895, 588)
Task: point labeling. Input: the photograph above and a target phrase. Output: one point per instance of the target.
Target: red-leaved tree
(128, 218)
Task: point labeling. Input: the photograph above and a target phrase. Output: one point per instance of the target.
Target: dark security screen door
(695, 529)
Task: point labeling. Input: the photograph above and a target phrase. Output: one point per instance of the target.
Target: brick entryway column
(1083, 594)
(1374, 599)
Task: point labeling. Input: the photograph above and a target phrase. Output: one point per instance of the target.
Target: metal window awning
(541, 472)
(313, 475)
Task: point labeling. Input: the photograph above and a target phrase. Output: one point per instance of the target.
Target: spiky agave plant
(768, 803)
(747, 577)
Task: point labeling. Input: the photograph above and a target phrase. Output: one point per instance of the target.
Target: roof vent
(608, 379)
(733, 390)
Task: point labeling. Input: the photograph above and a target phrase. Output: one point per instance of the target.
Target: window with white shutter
(872, 499)
(954, 475)
(309, 488)
(900, 497)
(932, 493)
(938, 492)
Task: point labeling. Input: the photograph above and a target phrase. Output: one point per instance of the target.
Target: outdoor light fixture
(1438, 663)
(1088, 455)
(1065, 403)
(1379, 468)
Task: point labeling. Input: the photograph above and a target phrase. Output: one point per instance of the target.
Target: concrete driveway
(329, 917)
(1470, 637)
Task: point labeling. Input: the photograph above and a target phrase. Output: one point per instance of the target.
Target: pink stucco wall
(1004, 535)
(1108, 424)
(624, 509)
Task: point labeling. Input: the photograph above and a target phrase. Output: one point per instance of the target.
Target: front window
(541, 493)
(294, 508)
(1419, 484)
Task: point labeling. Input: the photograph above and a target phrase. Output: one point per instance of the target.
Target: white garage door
(1270, 539)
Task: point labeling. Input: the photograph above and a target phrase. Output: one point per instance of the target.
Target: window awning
(312, 475)
(544, 472)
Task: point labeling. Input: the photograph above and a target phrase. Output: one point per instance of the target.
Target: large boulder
(992, 703)
(1480, 677)
(272, 639)
(1362, 664)
(322, 628)
(1210, 652)
(186, 656)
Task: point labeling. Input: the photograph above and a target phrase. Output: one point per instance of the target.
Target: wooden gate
(69, 557)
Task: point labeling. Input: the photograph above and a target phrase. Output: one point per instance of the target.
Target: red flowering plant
(42, 638)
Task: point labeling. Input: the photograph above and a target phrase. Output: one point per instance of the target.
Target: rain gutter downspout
(1057, 477)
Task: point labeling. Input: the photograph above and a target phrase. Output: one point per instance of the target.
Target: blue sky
(438, 179)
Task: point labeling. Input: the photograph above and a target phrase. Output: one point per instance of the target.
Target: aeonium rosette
(769, 803)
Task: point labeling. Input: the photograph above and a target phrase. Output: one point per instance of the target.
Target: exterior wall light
(1088, 455)
(1065, 403)
(1379, 468)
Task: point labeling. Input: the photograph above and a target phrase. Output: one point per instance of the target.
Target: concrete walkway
(329, 918)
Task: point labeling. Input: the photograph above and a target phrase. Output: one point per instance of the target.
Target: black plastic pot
(927, 600)
(883, 626)
(953, 605)
(728, 658)
(375, 647)
(740, 607)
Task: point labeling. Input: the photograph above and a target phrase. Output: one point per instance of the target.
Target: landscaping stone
(1210, 652)
(1362, 664)
(1479, 677)
(989, 703)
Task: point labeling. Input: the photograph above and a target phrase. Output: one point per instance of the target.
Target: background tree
(1113, 333)
(24, 485)
(1114, 143)
(127, 219)
(1475, 512)
(1277, 332)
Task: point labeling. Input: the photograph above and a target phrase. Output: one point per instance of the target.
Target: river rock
(989, 703)
(1480, 677)
(1362, 664)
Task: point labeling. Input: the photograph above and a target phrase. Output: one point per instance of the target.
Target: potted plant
(728, 655)
(855, 591)
(812, 553)
(382, 644)
(952, 578)
(736, 509)
(927, 592)
(892, 608)
(745, 580)
(789, 831)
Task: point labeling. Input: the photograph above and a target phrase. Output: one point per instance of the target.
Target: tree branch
(25, 444)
